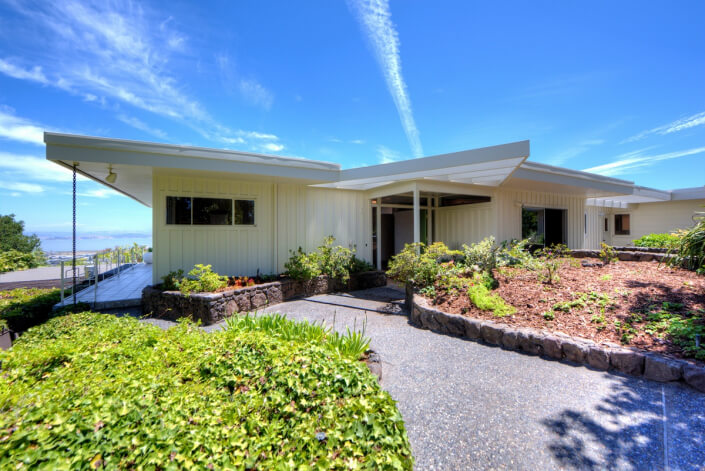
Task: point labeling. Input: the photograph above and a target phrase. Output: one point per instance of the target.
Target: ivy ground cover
(86, 391)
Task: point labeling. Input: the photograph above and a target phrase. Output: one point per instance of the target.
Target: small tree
(12, 236)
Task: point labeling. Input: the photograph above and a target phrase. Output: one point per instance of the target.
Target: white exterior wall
(649, 218)
(510, 202)
(595, 227)
(465, 224)
(287, 216)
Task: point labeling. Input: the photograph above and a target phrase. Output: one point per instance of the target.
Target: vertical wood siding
(466, 224)
(302, 217)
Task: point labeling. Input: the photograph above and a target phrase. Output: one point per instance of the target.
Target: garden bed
(213, 307)
(627, 303)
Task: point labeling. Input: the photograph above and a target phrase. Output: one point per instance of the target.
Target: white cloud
(272, 147)
(100, 193)
(357, 141)
(574, 151)
(256, 94)
(22, 187)
(34, 74)
(19, 129)
(386, 155)
(675, 126)
(122, 51)
(637, 159)
(33, 168)
(142, 126)
(375, 17)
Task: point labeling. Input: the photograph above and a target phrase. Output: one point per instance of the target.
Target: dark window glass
(178, 210)
(621, 224)
(213, 211)
(245, 212)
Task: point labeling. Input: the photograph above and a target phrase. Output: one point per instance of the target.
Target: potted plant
(147, 257)
(5, 339)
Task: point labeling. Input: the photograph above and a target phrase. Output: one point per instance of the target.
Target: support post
(95, 284)
(73, 259)
(62, 283)
(429, 220)
(417, 216)
(379, 233)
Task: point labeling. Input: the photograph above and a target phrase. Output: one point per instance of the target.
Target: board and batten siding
(654, 218)
(306, 215)
(509, 204)
(464, 224)
(287, 216)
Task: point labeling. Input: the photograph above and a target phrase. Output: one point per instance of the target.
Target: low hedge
(664, 241)
(90, 390)
(23, 308)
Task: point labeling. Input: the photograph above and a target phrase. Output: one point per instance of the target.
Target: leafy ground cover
(89, 390)
(663, 241)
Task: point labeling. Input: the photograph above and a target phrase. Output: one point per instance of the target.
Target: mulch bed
(632, 288)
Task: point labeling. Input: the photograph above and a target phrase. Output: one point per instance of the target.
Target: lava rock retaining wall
(556, 345)
(634, 254)
(210, 308)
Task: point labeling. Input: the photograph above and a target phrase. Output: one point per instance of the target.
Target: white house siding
(648, 218)
(232, 250)
(594, 234)
(510, 202)
(302, 217)
(465, 224)
(306, 215)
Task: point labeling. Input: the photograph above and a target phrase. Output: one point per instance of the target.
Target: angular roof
(504, 165)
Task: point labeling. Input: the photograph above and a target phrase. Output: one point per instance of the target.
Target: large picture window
(621, 224)
(209, 211)
(178, 210)
(245, 212)
(213, 211)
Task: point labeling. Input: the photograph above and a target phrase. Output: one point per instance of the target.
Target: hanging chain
(73, 262)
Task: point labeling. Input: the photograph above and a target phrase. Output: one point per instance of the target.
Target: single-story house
(244, 212)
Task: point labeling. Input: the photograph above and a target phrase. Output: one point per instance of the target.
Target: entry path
(467, 405)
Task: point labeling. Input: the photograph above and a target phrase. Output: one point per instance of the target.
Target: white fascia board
(550, 174)
(425, 166)
(70, 148)
(696, 193)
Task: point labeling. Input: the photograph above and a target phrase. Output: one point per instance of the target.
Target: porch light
(112, 176)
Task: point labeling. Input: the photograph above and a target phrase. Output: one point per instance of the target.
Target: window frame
(221, 227)
(618, 227)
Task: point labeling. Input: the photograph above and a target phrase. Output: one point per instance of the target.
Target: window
(607, 225)
(244, 212)
(621, 224)
(585, 222)
(178, 210)
(213, 211)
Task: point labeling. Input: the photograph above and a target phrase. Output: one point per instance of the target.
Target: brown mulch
(632, 288)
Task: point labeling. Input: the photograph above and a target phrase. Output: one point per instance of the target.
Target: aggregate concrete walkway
(471, 406)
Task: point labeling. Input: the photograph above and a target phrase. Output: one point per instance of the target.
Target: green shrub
(23, 308)
(13, 260)
(690, 250)
(334, 261)
(549, 262)
(515, 254)
(420, 265)
(172, 280)
(482, 255)
(607, 254)
(202, 279)
(90, 390)
(664, 241)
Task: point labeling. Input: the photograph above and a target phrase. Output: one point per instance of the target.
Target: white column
(417, 216)
(429, 220)
(379, 233)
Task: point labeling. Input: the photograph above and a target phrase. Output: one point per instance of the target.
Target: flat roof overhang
(486, 166)
(136, 161)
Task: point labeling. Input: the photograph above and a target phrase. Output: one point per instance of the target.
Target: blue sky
(616, 87)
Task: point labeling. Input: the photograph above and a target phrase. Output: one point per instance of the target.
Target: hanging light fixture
(112, 176)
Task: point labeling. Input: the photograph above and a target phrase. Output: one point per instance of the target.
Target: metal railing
(111, 261)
